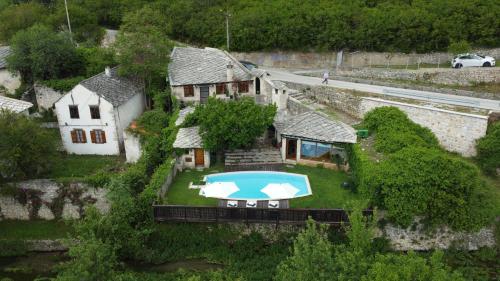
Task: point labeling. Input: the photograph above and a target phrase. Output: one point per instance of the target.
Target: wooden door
(291, 149)
(204, 93)
(199, 157)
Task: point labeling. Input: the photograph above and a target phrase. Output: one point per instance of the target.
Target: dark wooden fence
(249, 215)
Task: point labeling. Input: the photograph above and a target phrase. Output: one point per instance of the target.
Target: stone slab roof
(114, 88)
(14, 105)
(188, 138)
(4, 52)
(190, 66)
(317, 126)
(182, 115)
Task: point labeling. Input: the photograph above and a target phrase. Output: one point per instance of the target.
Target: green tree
(231, 124)
(83, 23)
(15, 18)
(142, 47)
(410, 267)
(311, 257)
(40, 53)
(488, 150)
(91, 260)
(25, 149)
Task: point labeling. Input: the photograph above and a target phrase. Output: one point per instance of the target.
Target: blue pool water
(250, 183)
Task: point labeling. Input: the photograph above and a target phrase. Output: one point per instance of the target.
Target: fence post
(217, 215)
(185, 214)
(439, 61)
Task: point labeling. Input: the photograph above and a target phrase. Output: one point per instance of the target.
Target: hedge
(488, 150)
(361, 168)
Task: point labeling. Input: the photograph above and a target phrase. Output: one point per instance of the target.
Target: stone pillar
(299, 144)
(283, 149)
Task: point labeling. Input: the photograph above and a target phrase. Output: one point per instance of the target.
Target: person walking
(325, 78)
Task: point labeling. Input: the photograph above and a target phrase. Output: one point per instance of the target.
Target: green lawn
(325, 184)
(180, 194)
(37, 229)
(326, 188)
(76, 166)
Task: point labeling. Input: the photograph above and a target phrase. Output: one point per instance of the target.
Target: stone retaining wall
(48, 200)
(302, 60)
(462, 77)
(456, 131)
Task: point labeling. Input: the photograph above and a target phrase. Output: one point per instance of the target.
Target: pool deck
(284, 203)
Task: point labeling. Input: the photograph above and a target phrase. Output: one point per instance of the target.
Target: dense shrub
(64, 85)
(25, 149)
(396, 131)
(150, 193)
(361, 168)
(488, 150)
(153, 121)
(426, 182)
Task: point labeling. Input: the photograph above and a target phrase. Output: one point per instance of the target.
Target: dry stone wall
(48, 200)
(302, 60)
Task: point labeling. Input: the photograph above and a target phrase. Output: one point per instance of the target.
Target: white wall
(191, 164)
(132, 147)
(9, 81)
(83, 98)
(127, 113)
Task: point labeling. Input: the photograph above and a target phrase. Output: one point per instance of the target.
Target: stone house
(15, 105)
(313, 138)
(94, 114)
(195, 74)
(193, 155)
(9, 81)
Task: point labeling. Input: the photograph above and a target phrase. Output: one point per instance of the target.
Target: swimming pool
(259, 185)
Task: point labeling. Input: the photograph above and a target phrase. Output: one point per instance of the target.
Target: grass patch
(180, 194)
(35, 229)
(326, 188)
(78, 166)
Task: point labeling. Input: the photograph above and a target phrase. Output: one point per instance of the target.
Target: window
(189, 91)
(315, 151)
(73, 112)
(78, 136)
(276, 91)
(220, 89)
(98, 136)
(243, 87)
(94, 112)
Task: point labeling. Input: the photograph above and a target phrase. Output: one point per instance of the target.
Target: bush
(25, 149)
(459, 47)
(64, 85)
(12, 248)
(150, 193)
(396, 131)
(488, 150)
(361, 168)
(153, 121)
(426, 182)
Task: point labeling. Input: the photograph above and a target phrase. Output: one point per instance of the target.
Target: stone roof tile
(188, 138)
(190, 66)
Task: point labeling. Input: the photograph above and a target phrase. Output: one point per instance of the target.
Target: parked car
(249, 65)
(467, 60)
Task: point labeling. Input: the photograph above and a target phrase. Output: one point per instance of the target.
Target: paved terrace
(263, 159)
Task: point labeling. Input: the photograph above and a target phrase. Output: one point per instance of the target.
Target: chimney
(230, 71)
(107, 71)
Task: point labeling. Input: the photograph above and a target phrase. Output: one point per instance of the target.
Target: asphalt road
(390, 91)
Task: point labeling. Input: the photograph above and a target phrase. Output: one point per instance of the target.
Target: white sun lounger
(251, 204)
(232, 204)
(273, 204)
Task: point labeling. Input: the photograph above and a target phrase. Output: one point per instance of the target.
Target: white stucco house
(94, 114)
(9, 81)
(15, 105)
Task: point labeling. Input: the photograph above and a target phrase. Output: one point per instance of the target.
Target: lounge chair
(273, 204)
(232, 204)
(251, 204)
